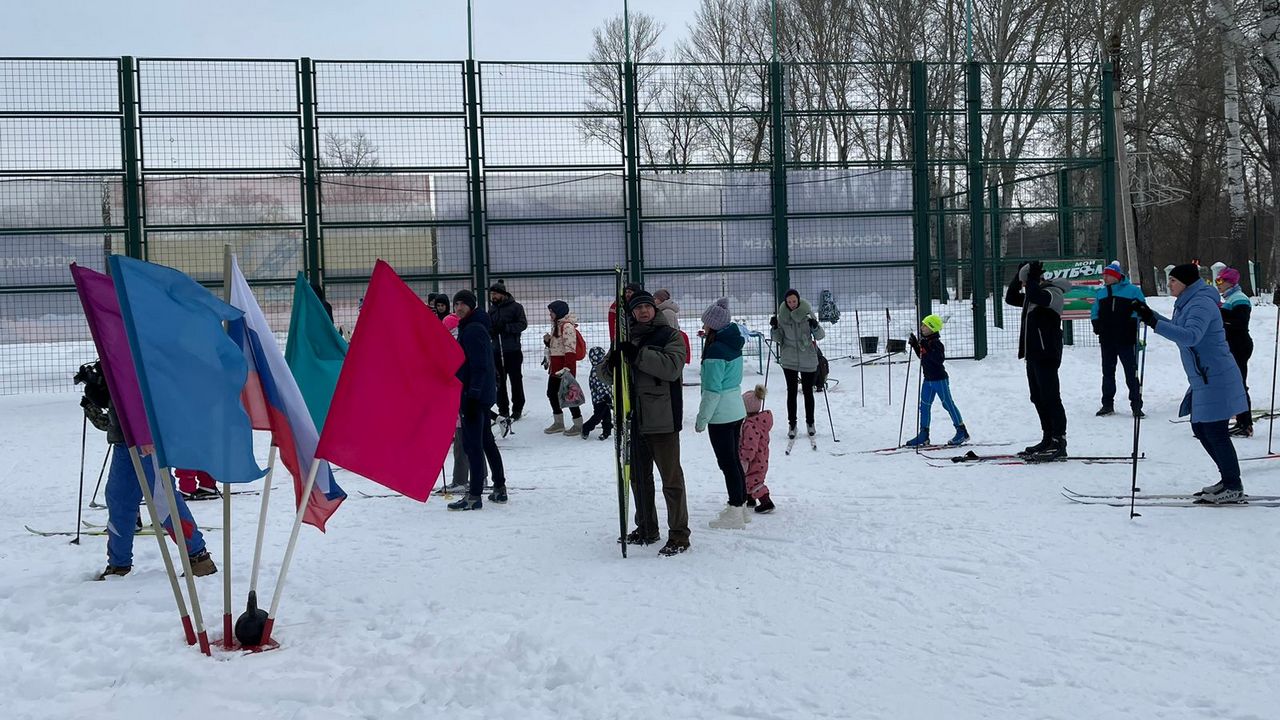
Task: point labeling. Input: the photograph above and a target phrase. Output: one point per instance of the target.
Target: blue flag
(191, 374)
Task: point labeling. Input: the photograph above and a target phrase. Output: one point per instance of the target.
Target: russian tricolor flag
(275, 403)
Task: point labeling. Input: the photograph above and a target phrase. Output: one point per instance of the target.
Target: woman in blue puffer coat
(1216, 392)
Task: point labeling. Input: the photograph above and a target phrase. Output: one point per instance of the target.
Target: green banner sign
(1085, 277)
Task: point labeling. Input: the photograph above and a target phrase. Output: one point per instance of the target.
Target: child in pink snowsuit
(753, 451)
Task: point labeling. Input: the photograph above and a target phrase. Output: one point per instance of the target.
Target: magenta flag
(102, 311)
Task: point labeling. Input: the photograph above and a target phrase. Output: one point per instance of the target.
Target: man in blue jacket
(1116, 326)
(479, 392)
(1216, 390)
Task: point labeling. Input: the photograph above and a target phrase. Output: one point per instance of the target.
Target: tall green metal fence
(896, 189)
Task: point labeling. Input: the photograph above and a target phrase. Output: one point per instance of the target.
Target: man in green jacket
(656, 356)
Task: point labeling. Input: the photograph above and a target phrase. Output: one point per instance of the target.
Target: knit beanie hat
(559, 308)
(662, 295)
(466, 297)
(933, 322)
(640, 298)
(754, 399)
(634, 287)
(499, 287)
(717, 316)
(1187, 273)
(1113, 270)
(1230, 276)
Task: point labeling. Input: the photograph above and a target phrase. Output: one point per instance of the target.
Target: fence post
(941, 221)
(475, 179)
(631, 163)
(1108, 163)
(312, 239)
(977, 236)
(920, 184)
(1066, 220)
(134, 238)
(997, 249)
(778, 175)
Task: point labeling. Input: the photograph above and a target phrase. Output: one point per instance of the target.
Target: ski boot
(1037, 448)
(791, 432)
(470, 502)
(961, 436)
(1222, 496)
(1137, 411)
(1105, 410)
(1241, 431)
(919, 440)
(113, 571)
(499, 494)
(1057, 450)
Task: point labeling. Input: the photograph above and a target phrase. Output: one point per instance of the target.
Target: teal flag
(315, 351)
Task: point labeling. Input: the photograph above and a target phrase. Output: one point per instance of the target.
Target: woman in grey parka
(796, 332)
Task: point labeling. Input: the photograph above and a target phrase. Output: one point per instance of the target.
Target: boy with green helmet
(936, 384)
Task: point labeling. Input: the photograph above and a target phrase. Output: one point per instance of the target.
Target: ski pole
(1275, 357)
(768, 362)
(826, 397)
(105, 458)
(862, 373)
(84, 440)
(1137, 430)
(905, 384)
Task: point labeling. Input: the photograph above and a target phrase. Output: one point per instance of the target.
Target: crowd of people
(1211, 330)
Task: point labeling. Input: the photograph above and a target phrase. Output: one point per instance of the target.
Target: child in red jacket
(753, 450)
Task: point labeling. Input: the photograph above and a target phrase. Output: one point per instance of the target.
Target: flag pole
(262, 522)
(288, 553)
(227, 641)
(180, 536)
(138, 470)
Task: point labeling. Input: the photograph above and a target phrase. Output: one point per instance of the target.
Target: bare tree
(349, 153)
(604, 80)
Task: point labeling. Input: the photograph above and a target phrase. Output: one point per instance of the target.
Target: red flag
(396, 403)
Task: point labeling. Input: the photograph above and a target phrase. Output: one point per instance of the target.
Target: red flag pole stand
(288, 553)
(164, 479)
(187, 630)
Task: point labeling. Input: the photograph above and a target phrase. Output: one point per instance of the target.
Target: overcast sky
(322, 29)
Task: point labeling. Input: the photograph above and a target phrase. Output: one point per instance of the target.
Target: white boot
(730, 518)
(557, 424)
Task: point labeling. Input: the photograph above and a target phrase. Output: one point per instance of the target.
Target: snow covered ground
(881, 588)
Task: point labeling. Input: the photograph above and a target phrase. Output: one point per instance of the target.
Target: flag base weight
(235, 647)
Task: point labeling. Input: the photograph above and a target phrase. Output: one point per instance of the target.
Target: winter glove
(546, 362)
(546, 339)
(1096, 331)
(1035, 271)
(1146, 314)
(629, 350)
(699, 426)
(813, 323)
(773, 322)
(914, 342)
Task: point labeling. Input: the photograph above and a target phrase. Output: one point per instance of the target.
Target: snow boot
(1222, 496)
(1057, 450)
(1037, 448)
(961, 436)
(766, 505)
(499, 494)
(202, 564)
(635, 538)
(469, 502)
(575, 428)
(1106, 410)
(556, 426)
(730, 518)
(673, 548)
(919, 440)
(113, 571)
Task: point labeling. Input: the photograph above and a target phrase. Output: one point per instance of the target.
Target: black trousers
(1214, 439)
(602, 415)
(726, 438)
(1046, 395)
(1242, 355)
(553, 395)
(509, 368)
(795, 380)
(479, 445)
(1127, 355)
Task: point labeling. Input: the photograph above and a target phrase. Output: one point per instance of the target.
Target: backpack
(97, 397)
(579, 350)
(824, 369)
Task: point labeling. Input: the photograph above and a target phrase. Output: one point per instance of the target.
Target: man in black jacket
(1040, 343)
(508, 323)
(478, 390)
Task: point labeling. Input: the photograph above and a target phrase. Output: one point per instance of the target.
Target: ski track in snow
(880, 588)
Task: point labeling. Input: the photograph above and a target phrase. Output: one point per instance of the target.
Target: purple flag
(102, 310)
